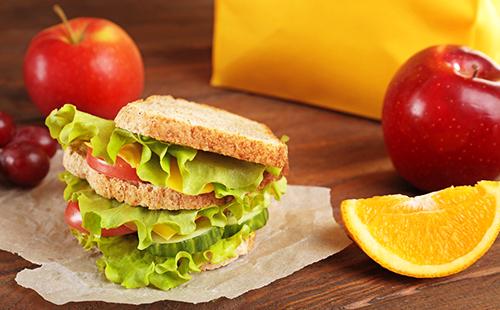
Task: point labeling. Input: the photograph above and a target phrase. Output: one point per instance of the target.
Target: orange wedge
(428, 236)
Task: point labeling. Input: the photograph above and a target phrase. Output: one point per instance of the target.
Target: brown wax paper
(301, 230)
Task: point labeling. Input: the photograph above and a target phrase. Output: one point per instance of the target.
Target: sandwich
(168, 189)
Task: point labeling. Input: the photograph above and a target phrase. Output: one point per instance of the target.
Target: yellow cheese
(175, 180)
(165, 231)
(207, 189)
(131, 153)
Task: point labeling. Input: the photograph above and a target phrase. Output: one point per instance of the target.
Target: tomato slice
(73, 218)
(121, 169)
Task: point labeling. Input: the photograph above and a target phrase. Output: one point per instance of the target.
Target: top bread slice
(203, 127)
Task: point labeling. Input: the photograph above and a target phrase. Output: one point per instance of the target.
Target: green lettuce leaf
(154, 165)
(68, 125)
(73, 185)
(277, 188)
(101, 213)
(124, 264)
(223, 249)
(229, 176)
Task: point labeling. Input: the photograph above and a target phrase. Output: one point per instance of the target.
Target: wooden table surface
(326, 148)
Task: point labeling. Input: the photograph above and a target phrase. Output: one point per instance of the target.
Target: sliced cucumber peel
(206, 235)
(199, 240)
(254, 220)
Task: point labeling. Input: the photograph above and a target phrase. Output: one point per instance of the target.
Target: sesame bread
(244, 248)
(203, 127)
(135, 194)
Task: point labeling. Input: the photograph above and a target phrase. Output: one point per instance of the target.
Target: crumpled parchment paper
(301, 230)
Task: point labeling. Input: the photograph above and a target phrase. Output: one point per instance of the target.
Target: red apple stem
(476, 70)
(59, 11)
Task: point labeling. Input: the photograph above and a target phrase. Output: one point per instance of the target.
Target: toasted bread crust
(244, 248)
(135, 194)
(204, 128)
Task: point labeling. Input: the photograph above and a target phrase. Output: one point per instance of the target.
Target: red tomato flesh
(121, 169)
(73, 218)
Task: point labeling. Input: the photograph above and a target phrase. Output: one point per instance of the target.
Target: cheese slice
(131, 153)
(164, 231)
(175, 179)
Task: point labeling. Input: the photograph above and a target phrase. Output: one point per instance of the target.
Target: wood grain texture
(326, 148)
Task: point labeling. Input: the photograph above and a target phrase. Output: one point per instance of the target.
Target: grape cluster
(25, 152)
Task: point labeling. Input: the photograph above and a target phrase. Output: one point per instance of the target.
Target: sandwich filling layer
(160, 247)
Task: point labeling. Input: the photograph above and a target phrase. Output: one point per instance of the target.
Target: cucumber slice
(254, 220)
(199, 240)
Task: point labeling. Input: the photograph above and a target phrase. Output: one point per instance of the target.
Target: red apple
(89, 62)
(441, 118)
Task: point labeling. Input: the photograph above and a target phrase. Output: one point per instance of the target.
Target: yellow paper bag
(339, 54)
